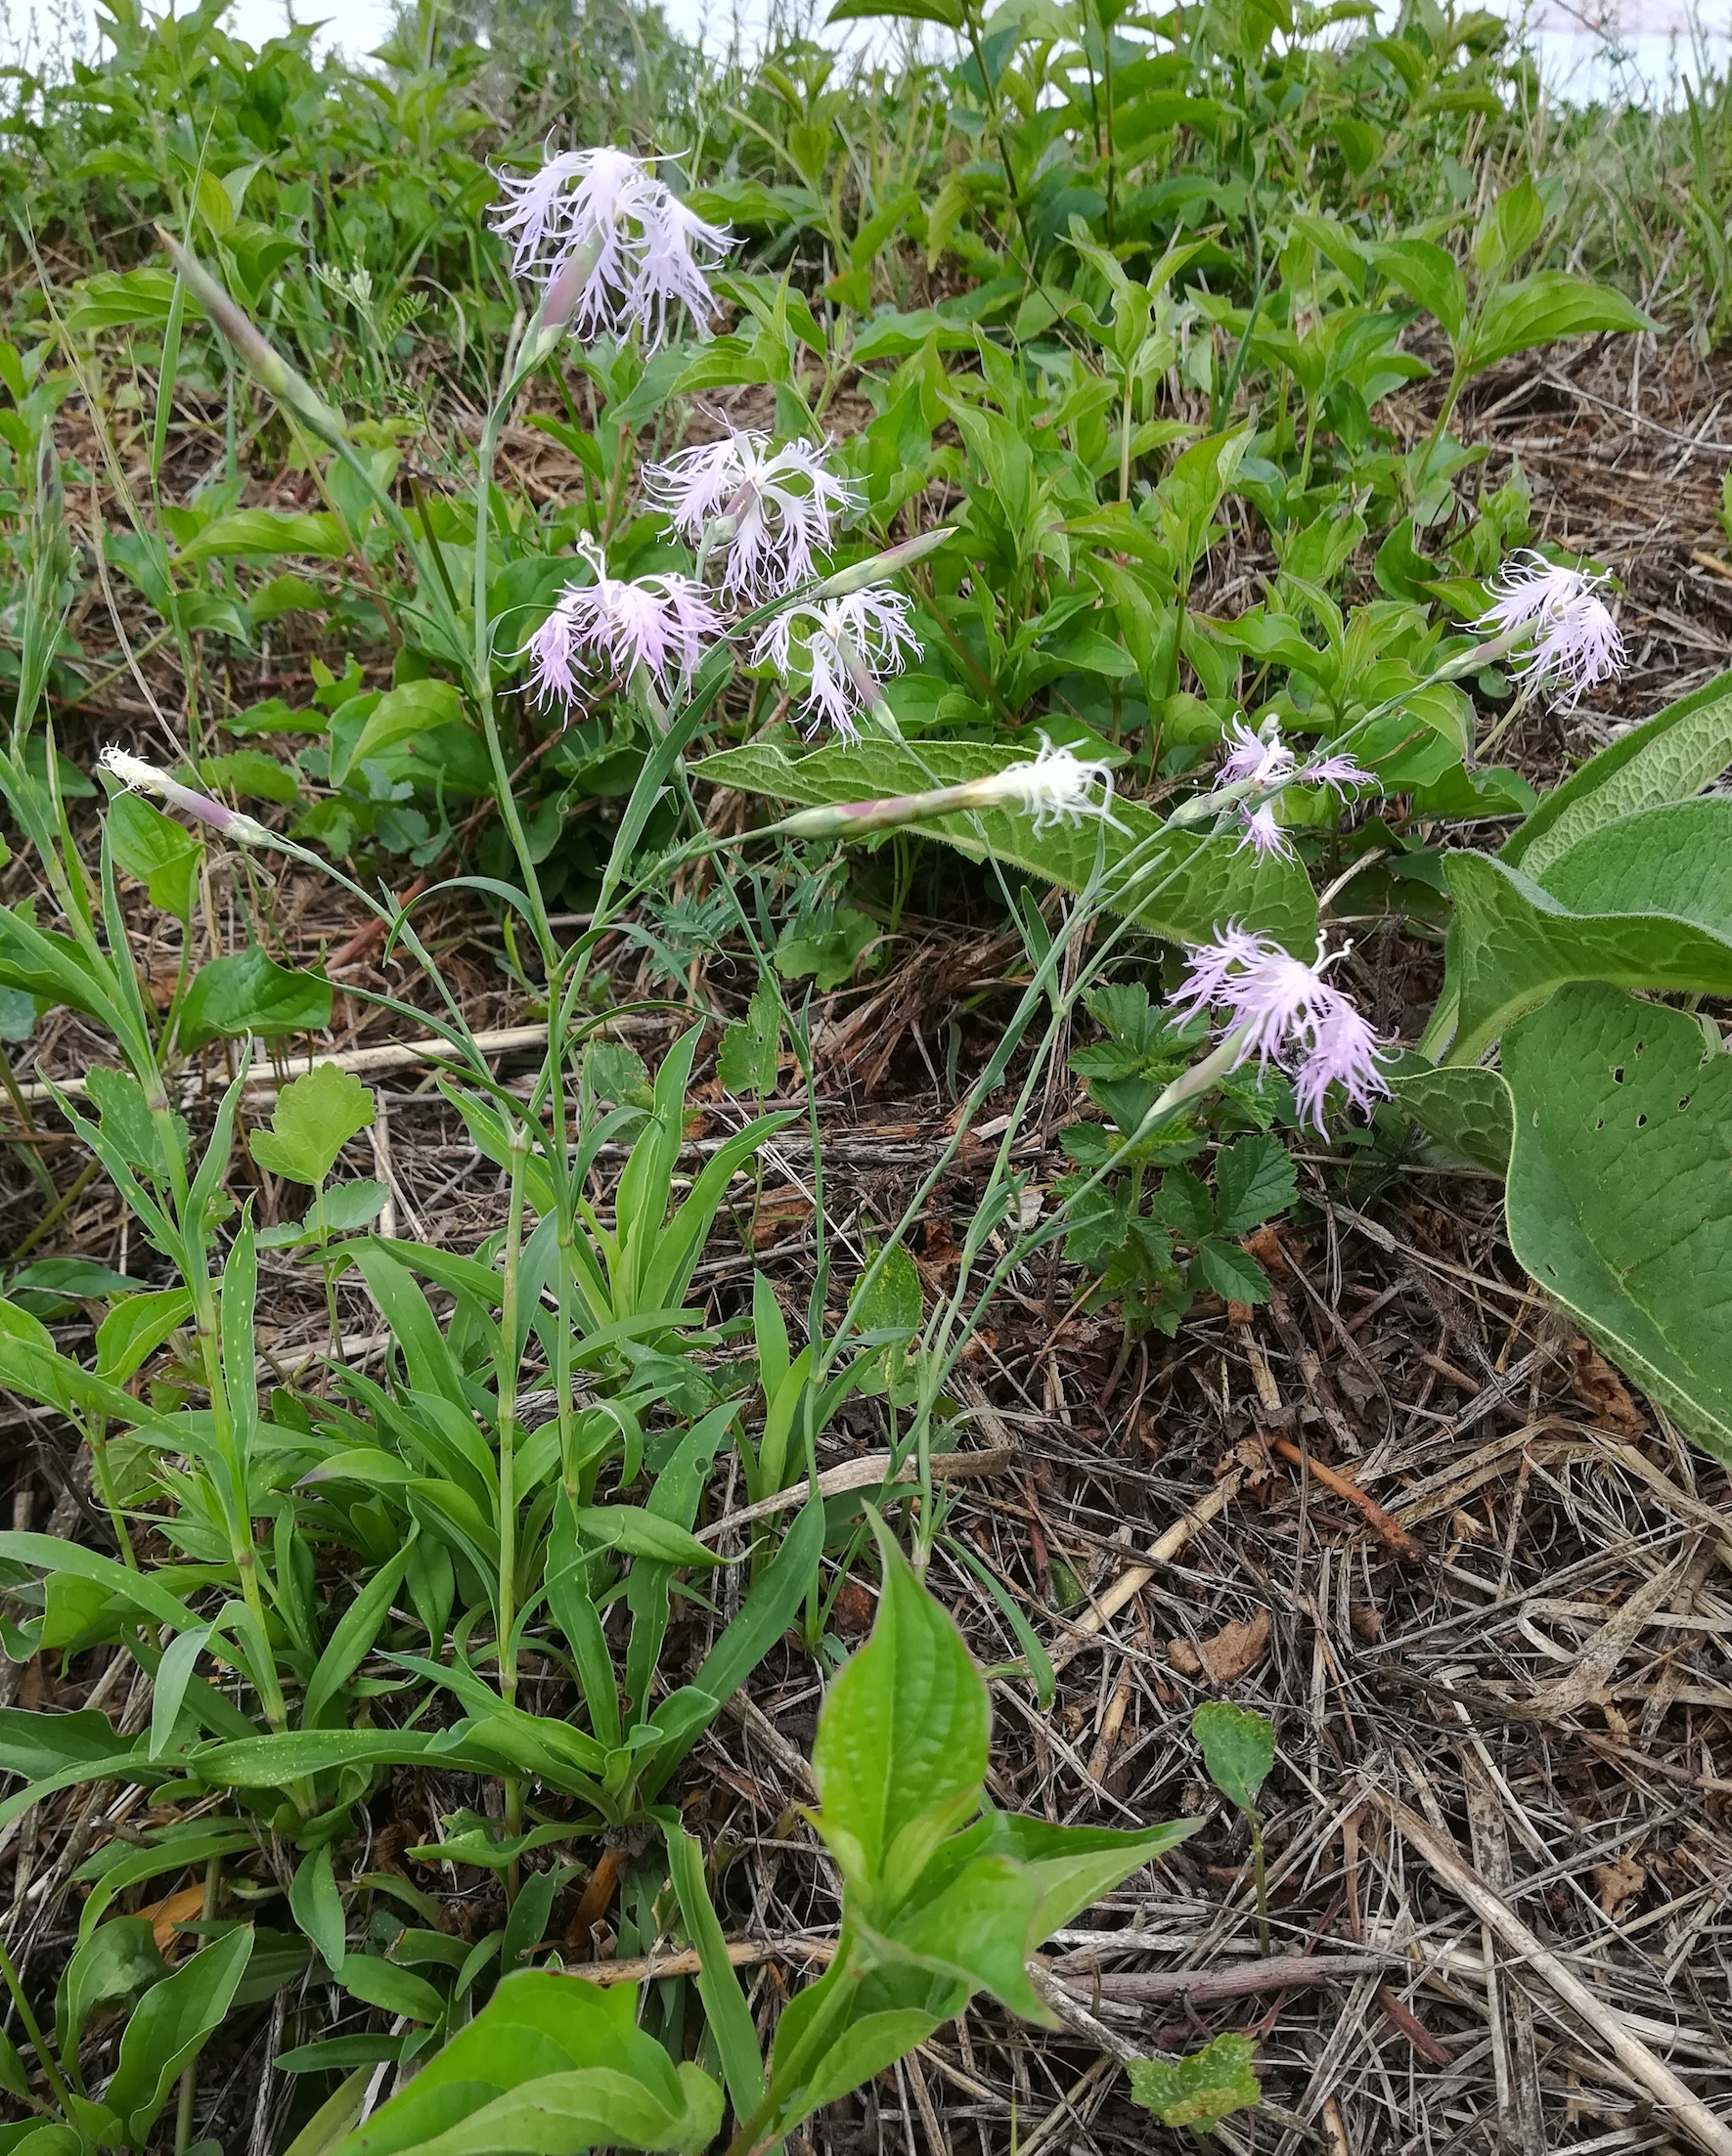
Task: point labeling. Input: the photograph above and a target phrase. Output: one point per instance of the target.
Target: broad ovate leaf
(1618, 1200)
(1238, 1749)
(901, 1753)
(551, 2065)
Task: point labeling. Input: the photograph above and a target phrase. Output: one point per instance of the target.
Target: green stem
(189, 2080)
(508, 1468)
(33, 2030)
(1261, 1876)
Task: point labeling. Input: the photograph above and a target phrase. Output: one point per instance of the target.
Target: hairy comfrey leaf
(1619, 1199)
(1200, 2091)
(315, 1118)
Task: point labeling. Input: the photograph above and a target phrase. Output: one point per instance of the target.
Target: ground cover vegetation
(576, 616)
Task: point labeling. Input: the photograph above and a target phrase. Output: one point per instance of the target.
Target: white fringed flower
(663, 623)
(1576, 642)
(1056, 786)
(1264, 763)
(140, 777)
(771, 508)
(639, 250)
(842, 646)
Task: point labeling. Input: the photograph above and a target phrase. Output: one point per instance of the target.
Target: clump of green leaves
(941, 1897)
(1154, 1229)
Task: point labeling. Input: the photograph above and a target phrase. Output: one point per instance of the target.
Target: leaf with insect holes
(1238, 1749)
(315, 1118)
(1200, 2091)
(746, 1061)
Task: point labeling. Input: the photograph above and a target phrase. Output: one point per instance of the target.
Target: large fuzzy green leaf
(1618, 1200)
(1668, 758)
(1644, 902)
(1190, 885)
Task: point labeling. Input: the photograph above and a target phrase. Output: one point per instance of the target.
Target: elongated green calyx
(876, 567)
(262, 359)
(1056, 786)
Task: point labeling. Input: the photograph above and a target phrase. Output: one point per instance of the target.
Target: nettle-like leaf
(1200, 2091)
(1238, 1749)
(314, 1118)
(1186, 887)
(1618, 1202)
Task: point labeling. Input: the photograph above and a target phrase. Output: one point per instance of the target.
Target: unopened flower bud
(262, 360)
(878, 567)
(137, 776)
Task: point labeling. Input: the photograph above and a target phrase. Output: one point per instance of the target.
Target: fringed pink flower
(843, 646)
(640, 250)
(663, 623)
(1291, 1016)
(775, 507)
(1266, 761)
(1576, 642)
